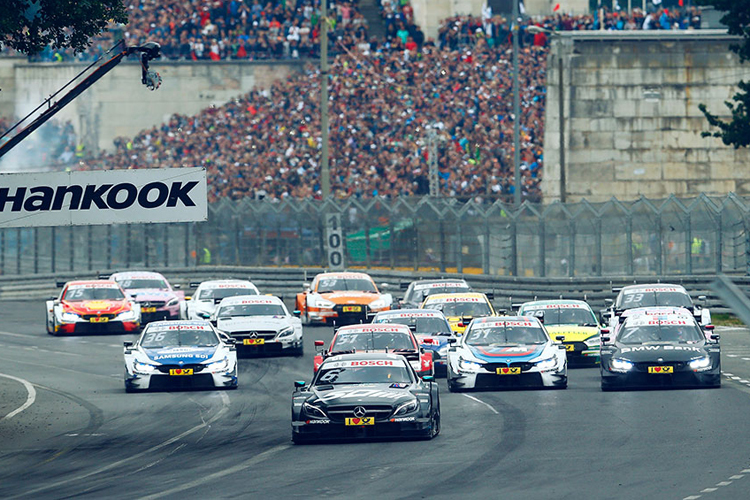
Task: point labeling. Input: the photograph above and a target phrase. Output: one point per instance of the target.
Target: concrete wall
(632, 123)
(119, 105)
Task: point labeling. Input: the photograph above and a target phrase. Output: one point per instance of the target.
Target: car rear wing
(403, 285)
(194, 284)
(617, 289)
(103, 276)
(60, 284)
(407, 353)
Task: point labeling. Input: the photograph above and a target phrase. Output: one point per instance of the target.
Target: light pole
(561, 106)
(325, 174)
(516, 112)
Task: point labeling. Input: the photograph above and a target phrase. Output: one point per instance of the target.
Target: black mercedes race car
(365, 396)
(660, 350)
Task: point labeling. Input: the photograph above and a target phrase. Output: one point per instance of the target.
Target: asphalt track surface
(69, 430)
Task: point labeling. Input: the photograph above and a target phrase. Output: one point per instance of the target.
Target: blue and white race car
(506, 352)
(431, 329)
(180, 354)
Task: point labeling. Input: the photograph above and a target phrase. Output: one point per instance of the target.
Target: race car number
(99, 319)
(352, 309)
(181, 371)
(570, 347)
(361, 421)
(661, 369)
(512, 370)
(148, 309)
(253, 341)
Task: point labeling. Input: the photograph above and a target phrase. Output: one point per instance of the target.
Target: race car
(650, 295)
(460, 308)
(209, 293)
(506, 352)
(647, 311)
(394, 338)
(261, 324)
(97, 306)
(180, 355)
(430, 327)
(157, 299)
(660, 350)
(365, 396)
(416, 291)
(341, 298)
(574, 321)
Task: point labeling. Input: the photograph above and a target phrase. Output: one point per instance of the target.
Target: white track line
(29, 399)
(482, 402)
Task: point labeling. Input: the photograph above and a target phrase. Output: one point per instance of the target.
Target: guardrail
(286, 282)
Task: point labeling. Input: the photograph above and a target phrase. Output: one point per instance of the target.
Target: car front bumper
(86, 327)
(163, 381)
(529, 379)
(405, 427)
(682, 378)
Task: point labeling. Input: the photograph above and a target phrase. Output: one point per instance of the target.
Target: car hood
(148, 295)
(96, 306)
(353, 297)
(181, 355)
(253, 323)
(572, 333)
(370, 394)
(501, 353)
(666, 351)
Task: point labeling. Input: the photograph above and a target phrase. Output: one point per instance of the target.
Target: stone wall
(632, 123)
(119, 105)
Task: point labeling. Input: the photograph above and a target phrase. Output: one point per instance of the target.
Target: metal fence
(702, 235)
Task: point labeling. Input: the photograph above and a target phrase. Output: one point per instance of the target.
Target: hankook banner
(103, 197)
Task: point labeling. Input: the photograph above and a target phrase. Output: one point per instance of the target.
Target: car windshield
(631, 300)
(93, 293)
(151, 283)
(174, 336)
(420, 294)
(237, 310)
(422, 326)
(473, 309)
(372, 341)
(641, 334)
(505, 335)
(397, 374)
(567, 316)
(326, 285)
(222, 293)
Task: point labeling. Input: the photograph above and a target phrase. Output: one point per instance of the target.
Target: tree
(737, 131)
(30, 25)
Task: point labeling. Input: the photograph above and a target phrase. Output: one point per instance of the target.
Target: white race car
(209, 293)
(506, 352)
(180, 354)
(260, 324)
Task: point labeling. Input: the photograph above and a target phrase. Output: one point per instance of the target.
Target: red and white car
(99, 306)
(391, 338)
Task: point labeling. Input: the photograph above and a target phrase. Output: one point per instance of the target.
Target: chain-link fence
(702, 235)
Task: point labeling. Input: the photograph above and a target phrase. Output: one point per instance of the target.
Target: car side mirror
(715, 336)
(428, 378)
(609, 302)
(702, 297)
(452, 340)
(709, 327)
(297, 313)
(560, 338)
(299, 384)
(128, 344)
(385, 286)
(319, 345)
(177, 287)
(306, 287)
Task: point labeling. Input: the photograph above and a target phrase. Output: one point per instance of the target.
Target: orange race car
(341, 298)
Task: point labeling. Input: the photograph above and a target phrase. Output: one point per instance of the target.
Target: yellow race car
(574, 321)
(460, 308)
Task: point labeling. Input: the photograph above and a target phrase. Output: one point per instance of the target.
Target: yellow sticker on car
(360, 421)
(661, 369)
(570, 347)
(99, 319)
(148, 309)
(352, 309)
(253, 341)
(511, 370)
(181, 371)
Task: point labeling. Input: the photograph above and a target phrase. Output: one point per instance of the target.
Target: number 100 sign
(335, 242)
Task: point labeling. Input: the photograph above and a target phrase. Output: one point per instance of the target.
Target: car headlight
(286, 332)
(621, 365)
(313, 411)
(143, 368)
(323, 303)
(546, 364)
(378, 304)
(465, 365)
(173, 302)
(406, 408)
(69, 317)
(700, 363)
(218, 366)
(593, 342)
(127, 316)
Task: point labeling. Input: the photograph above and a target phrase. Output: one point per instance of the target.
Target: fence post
(689, 245)
(89, 248)
(542, 249)
(597, 270)
(18, 250)
(36, 250)
(109, 247)
(416, 243)
(441, 227)
(368, 257)
(2, 251)
(237, 242)
(747, 245)
(514, 248)
(392, 240)
(52, 252)
(486, 256)
(146, 237)
(459, 249)
(572, 250)
(166, 245)
(659, 249)
(719, 242)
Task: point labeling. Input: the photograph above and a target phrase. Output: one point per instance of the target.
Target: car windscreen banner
(103, 197)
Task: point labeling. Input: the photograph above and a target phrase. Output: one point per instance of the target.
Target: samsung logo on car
(113, 196)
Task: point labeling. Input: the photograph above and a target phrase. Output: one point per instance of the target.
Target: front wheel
(435, 424)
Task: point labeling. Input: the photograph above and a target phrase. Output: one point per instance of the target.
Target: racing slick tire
(452, 386)
(298, 352)
(434, 425)
(53, 331)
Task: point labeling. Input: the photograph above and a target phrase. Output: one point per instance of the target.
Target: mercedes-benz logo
(253, 335)
(360, 411)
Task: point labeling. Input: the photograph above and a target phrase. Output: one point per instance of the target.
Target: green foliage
(737, 131)
(30, 25)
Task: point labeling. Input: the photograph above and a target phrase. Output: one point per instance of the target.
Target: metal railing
(703, 235)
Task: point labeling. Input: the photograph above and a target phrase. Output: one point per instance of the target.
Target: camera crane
(150, 79)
